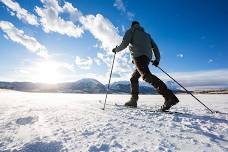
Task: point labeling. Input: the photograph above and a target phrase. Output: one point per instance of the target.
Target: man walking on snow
(141, 47)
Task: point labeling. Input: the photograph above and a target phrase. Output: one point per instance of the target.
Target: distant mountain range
(83, 86)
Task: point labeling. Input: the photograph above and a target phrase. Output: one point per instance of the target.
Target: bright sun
(46, 72)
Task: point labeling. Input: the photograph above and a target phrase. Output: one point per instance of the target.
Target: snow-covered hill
(172, 85)
(86, 85)
(52, 122)
(125, 87)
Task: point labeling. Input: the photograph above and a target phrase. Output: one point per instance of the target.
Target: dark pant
(142, 69)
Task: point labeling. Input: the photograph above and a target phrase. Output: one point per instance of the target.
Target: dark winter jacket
(140, 42)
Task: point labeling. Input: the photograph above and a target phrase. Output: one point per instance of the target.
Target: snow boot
(169, 103)
(170, 98)
(132, 102)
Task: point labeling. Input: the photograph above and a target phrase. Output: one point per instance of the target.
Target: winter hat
(134, 23)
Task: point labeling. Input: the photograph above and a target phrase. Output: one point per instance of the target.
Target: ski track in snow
(48, 122)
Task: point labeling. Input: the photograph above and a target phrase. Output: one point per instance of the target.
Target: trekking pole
(185, 89)
(109, 81)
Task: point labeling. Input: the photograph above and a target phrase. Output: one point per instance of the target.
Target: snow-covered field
(49, 122)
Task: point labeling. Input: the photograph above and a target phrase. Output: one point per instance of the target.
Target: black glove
(114, 50)
(155, 63)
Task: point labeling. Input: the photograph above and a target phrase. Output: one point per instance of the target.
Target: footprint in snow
(103, 147)
(53, 146)
(26, 120)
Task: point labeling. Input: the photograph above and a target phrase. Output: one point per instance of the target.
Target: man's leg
(135, 83)
(134, 89)
(142, 63)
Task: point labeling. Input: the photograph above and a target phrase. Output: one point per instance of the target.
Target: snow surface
(52, 122)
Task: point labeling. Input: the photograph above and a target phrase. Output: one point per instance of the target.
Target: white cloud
(96, 45)
(21, 13)
(20, 37)
(107, 34)
(123, 66)
(52, 22)
(104, 58)
(75, 14)
(97, 61)
(85, 63)
(130, 15)
(210, 60)
(198, 79)
(65, 66)
(6, 37)
(102, 29)
(180, 55)
(12, 13)
(119, 4)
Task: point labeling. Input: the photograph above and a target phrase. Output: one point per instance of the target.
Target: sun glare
(46, 72)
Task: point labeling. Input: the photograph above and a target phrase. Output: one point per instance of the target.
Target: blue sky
(57, 41)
